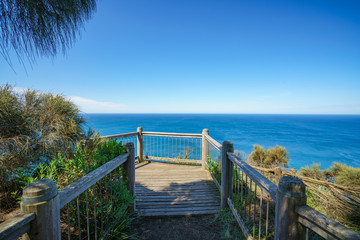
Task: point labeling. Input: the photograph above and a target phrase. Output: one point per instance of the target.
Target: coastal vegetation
(43, 135)
(65, 171)
(334, 192)
(34, 128)
(214, 168)
(269, 158)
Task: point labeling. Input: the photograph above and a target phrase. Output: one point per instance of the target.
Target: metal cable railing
(97, 210)
(172, 147)
(252, 200)
(213, 159)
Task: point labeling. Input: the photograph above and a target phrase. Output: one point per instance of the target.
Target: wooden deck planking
(170, 189)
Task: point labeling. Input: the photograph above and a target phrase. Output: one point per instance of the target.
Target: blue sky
(138, 56)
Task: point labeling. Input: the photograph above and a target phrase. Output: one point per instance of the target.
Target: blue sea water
(308, 138)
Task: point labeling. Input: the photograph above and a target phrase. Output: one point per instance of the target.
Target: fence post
(41, 197)
(205, 148)
(140, 144)
(290, 194)
(129, 170)
(226, 173)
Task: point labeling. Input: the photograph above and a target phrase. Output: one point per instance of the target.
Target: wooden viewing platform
(164, 189)
(261, 208)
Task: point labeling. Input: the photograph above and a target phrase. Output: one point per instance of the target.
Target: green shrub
(269, 158)
(35, 127)
(109, 195)
(214, 168)
(337, 203)
(344, 175)
(313, 172)
(65, 171)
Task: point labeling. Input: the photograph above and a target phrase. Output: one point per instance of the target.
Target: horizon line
(349, 114)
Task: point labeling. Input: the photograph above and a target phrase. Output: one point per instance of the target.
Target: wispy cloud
(88, 105)
(93, 106)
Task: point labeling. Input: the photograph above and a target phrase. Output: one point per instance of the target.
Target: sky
(197, 56)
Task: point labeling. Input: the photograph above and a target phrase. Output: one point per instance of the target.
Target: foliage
(65, 171)
(214, 168)
(344, 175)
(313, 172)
(185, 154)
(35, 127)
(334, 192)
(337, 173)
(230, 229)
(109, 195)
(246, 200)
(91, 139)
(338, 199)
(269, 158)
(41, 27)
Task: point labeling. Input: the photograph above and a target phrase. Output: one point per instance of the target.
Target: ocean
(308, 139)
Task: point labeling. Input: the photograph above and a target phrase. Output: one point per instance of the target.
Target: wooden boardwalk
(174, 190)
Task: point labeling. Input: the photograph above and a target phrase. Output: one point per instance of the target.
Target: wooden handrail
(265, 184)
(121, 135)
(76, 188)
(215, 143)
(190, 135)
(323, 225)
(16, 226)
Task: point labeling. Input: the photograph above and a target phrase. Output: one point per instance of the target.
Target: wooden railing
(87, 208)
(285, 216)
(253, 199)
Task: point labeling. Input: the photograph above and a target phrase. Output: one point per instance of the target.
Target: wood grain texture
(16, 226)
(121, 135)
(323, 225)
(174, 190)
(215, 143)
(189, 135)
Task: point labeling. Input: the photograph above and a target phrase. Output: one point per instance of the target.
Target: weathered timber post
(41, 197)
(140, 144)
(290, 194)
(205, 148)
(129, 170)
(226, 173)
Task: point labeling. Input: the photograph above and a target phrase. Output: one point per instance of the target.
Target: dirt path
(209, 227)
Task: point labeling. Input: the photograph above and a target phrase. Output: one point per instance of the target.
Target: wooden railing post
(205, 148)
(41, 197)
(290, 194)
(226, 173)
(140, 144)
(129, 170)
